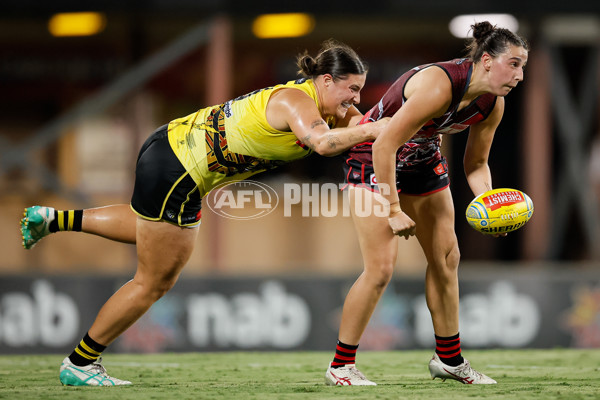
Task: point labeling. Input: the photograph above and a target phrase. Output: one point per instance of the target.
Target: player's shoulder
(290, 95)
(431, 82)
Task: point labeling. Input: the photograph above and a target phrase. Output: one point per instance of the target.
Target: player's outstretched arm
(293, 110)
(477, 151)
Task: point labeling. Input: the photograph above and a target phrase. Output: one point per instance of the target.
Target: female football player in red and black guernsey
(185, 159)
(425, 102)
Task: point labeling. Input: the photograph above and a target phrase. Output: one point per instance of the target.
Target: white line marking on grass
(515, 366)
(259, 365)
(11, 362)
(140, 364)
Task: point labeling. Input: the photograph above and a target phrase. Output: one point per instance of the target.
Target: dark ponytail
(490, 39)
(334, 58)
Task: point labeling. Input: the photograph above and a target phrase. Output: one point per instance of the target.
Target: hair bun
(481, 30)
(334, 58)
(488, 38)
(306, 65)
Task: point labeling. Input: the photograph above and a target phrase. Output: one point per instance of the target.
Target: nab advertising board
(501, 308)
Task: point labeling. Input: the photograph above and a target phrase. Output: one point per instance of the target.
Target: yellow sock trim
(82, 354)
(89, 349)
(61, 220)
(71, 219)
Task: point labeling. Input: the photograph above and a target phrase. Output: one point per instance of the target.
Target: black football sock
(86, 352)
(69, 220)
(448, 350)
(344, 354)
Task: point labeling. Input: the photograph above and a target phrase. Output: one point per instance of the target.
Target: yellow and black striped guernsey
(234, 141)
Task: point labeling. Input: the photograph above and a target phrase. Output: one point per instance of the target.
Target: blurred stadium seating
(75, 110)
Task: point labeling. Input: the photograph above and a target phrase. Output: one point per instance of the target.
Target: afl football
(499, 211)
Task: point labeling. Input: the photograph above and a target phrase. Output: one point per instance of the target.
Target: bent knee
(162, 288)
(379, 275)
(156, 288)
(453, 258)
(445, 266)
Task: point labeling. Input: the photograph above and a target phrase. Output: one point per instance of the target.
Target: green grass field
(521, 374)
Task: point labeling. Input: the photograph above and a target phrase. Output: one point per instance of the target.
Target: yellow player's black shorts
(421, 180)
(163, 189)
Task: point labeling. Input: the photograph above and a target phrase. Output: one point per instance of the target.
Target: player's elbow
(327, 151)
(378, 147)
(327, 148)
(471, 166)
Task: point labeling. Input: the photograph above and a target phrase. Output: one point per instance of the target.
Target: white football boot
(347, 375)
(89, 375)
(462, 373)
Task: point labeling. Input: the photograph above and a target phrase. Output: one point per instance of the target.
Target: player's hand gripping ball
(499, 211)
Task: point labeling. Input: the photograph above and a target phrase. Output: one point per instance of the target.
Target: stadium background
(74, 111)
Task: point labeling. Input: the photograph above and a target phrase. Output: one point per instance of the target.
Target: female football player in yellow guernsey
(182, 161)
(423, 103)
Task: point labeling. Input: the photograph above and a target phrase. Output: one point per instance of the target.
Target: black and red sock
(344, 354)
(448, 350)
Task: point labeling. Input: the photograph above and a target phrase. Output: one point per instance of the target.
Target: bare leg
(379, 247)
(434, 216)
(116, 222)
(163, 250)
